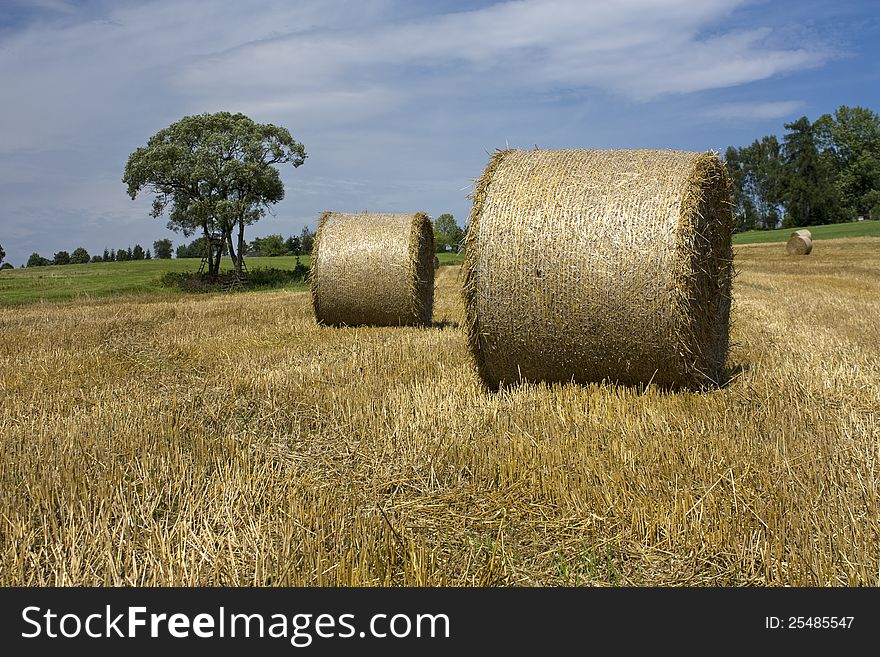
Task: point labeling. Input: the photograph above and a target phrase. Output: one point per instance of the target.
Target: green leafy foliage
(822, 172)
(271, 245)
(162, 249)
(257, 278)
(79, 256)
(196, 249)
(36, 260)
(809, 193)
(293, 246)
(213, 172)
(306, 240)
(447, 233)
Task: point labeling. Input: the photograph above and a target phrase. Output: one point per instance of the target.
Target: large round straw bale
(373, 269)
(799, 244)
(588, 265)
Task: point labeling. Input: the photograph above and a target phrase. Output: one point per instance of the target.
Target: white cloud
(346, 62)
(638, 49)
(395, 106)
(751, 111)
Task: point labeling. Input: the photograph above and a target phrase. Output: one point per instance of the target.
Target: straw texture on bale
(799, 243)
(803, 232)
(600, 265)
(375, 269)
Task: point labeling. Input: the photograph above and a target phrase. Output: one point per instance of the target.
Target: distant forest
(821, 172)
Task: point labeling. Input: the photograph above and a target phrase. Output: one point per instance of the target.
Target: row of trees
(446, 234)
(276, 245)
(80, 256)
(827, 171)
(270, 245)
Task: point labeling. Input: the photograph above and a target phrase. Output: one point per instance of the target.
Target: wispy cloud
(400, 99)
(752, 111)
(637, 49)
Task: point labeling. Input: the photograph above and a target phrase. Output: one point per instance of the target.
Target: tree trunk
(227, 236)
(209, 248)
(240, 243)
(213, 256)
(216, 264)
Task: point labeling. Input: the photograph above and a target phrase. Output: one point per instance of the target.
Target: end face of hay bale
(600, 265)
(799, 244)
(374, 269)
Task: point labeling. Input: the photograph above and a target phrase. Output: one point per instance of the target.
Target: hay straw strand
(600, 265)
(799, 244)
(374, 269)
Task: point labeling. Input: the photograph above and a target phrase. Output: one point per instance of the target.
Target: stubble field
(228, 440)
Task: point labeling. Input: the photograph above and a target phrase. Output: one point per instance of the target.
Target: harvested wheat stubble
(586, 265)
(375, 269)
(800, 243)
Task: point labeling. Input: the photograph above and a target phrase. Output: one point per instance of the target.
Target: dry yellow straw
(600, 265)
(800, 243)
(373, 269)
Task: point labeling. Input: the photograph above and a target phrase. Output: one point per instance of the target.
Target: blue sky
(398, 103)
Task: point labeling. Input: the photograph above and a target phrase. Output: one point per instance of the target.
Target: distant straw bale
(600, 265)
(799, 243)
(373, 269)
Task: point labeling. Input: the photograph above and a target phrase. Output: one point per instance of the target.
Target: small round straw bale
(799, 244)
(373, 269)
(587, 265)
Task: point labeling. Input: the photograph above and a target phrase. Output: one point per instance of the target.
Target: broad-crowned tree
(214, 173)
(162, 249)
(79, 256)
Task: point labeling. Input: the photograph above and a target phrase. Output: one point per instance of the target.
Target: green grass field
(105, 279)
(827, 232)
(450, 258)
